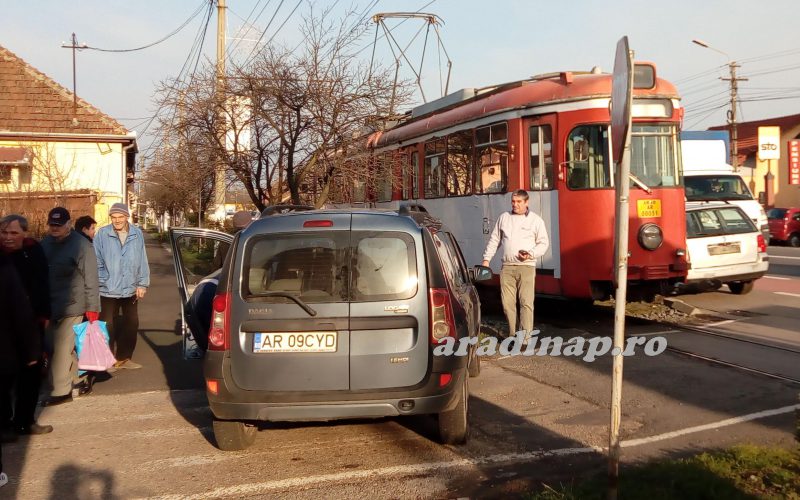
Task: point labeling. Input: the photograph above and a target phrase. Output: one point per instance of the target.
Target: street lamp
(732, 125)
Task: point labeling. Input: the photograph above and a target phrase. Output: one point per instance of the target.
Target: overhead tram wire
(232, 46)
(179, 79)
(264, 32)
(165, 38)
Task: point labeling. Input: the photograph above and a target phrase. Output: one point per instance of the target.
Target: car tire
(454, 424)
(794, 240)
(232, 435)
(741, 287)
(474, 365)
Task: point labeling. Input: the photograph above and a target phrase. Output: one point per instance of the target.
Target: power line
(167, 37)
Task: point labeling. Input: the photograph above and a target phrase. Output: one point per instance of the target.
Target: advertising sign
(793, 147)
(769, 143)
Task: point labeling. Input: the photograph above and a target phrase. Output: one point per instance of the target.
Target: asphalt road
(146, 433)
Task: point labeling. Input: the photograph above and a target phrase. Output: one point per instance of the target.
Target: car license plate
(724, 248)
(295, 342)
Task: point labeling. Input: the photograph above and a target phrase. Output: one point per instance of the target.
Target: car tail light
(219, 333)
(212, 386)
(318, 223)
(444, 379)
(442, 324)
(762, 244)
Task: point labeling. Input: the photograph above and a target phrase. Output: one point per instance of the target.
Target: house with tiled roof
(781, 189)
(56, 149)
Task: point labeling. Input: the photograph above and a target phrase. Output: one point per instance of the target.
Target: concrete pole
(219, 177)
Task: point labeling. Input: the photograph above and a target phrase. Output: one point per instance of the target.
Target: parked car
(784, 225)
(333, 314)
(724, 247)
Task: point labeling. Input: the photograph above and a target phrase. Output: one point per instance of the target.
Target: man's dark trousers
(122, 335)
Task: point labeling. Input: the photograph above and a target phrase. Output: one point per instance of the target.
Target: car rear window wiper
(294, 298)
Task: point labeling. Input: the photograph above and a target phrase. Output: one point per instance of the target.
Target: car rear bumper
(725, 274)
(233, 403)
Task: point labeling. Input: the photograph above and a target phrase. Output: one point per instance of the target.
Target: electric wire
(165, 38)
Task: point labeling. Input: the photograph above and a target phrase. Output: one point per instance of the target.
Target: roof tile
(26, 94)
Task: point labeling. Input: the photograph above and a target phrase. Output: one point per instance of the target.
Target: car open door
(197, 255)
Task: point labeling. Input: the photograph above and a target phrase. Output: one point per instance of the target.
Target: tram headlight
(650, 236)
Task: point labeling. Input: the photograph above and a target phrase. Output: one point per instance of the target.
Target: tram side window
(491, 152)
(587, 158)
(542, 175)
(385, 171)
(459, 163)
(434, 168)
(410, 175)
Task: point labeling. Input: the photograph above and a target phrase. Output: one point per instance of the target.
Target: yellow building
(56, 150)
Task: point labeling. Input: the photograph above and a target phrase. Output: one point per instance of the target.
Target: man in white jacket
(524, 239)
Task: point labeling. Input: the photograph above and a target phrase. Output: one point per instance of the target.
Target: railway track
(782, 356)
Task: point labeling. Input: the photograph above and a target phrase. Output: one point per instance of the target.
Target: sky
(488, 42)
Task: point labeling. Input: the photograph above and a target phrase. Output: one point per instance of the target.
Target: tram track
(725, 337)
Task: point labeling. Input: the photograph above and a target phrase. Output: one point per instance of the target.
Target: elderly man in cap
(124, 277)
(73, 295)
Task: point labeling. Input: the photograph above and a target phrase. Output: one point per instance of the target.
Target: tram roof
(545, 90)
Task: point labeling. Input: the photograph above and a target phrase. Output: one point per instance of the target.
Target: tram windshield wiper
(641, 184)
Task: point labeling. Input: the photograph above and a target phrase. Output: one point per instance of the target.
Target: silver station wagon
(332, 314)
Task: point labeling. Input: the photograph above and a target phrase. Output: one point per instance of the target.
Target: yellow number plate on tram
(648, 208)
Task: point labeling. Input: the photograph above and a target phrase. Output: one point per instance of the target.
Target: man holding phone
(524, 239)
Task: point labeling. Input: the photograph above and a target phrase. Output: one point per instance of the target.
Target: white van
(708, 178)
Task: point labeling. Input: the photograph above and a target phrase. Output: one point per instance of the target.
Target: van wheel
(474, 365)
(232, 435)
(454, 424)
(794, 240)
(741, 287)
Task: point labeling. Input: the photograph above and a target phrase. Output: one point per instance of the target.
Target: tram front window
(654, 155)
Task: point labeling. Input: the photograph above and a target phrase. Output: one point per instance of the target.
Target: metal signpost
(621, 98)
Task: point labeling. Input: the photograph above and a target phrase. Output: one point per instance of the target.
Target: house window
(5, 174)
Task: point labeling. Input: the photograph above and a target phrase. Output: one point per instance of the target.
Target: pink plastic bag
(95, 354)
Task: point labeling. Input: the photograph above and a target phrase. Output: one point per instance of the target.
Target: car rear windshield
(717, 221)
(776, 213)
(332, 266)
(716, 187)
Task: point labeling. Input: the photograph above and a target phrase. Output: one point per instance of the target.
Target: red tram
(461, 156)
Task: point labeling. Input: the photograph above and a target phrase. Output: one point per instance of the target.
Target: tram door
(541, 183)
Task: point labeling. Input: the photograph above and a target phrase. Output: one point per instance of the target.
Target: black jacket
(18, 344)
(31, 266)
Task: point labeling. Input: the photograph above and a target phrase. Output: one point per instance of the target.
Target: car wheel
(474, 365)
(794, 240)
(454, 424)
(741, 287)
(232, 435)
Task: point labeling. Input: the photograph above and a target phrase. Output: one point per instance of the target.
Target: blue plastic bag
(91, 346)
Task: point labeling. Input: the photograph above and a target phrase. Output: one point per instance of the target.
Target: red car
(784, 225)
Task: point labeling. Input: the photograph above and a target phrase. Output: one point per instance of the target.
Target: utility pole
(74, 47)
(732, 113)
(219, 177)
(732, 124)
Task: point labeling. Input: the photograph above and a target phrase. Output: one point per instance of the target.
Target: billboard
(793, 147)
(769, 139)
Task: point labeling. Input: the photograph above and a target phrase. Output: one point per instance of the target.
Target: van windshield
(331, 266)
(716, 187)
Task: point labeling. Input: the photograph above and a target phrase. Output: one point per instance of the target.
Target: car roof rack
(412, 206)
(420, 215)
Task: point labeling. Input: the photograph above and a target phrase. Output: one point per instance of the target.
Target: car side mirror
(481, 273)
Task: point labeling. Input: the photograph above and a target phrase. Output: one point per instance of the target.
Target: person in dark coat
(27, 256)
(16, 323)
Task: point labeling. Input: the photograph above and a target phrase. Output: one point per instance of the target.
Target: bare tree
(291, 122)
